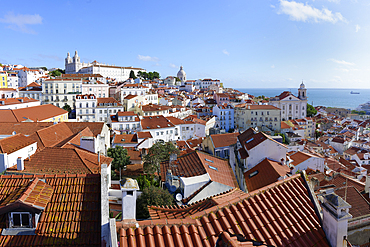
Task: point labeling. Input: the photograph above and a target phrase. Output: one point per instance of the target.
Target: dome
(181, 74)
(302, 85)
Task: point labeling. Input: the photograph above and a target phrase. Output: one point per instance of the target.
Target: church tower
(76, 63)
(181, 75)
(302, 92)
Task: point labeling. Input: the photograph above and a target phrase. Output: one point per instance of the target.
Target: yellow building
(3, 79)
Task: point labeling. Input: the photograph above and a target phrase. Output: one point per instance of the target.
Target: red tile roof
(264, 173)
(155, 122)
(50, 136)
(360, 206)
(144, 134)
(57, 160)
(280, 214)
(70, 218)
(14, 143)
(96, 128)
(195, 164)
(34, 113)
(340, 180)
(224, 140)
(25, 128)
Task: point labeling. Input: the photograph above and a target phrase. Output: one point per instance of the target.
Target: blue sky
(245, 44)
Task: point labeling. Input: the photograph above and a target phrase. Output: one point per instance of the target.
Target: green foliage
(156, 154)
(132, 75)
(67, 108)
(311, 111)
(44, 68)
(148, 75)
(358, 112)
(177, 79)
(120, 159)
(152, 196)
(285, 141)
(55, 73)
(145, 181)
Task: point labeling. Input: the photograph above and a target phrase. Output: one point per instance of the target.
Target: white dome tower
(181, 75)
(302, 92)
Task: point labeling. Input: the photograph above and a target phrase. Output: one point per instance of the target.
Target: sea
(329, 97)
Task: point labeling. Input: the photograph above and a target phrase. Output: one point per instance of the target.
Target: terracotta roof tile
(264, 173)
(281, 214)
(14, 143)
(224, 140)
(25, 128)
(71, 216)
(55, 160)
(34, 113)
(195, 164)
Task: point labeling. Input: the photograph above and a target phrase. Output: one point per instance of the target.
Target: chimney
(367, 184)
(169, 177)
(20, 164)
(129, 188)
(366, 156)
(335, 219)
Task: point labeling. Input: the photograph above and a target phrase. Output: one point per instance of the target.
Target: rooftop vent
(249, 140)
(158, 126)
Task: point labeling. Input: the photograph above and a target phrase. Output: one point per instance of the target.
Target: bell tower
(302, 92)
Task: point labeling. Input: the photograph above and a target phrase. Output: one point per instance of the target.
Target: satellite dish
(173, 188)
(178, 197)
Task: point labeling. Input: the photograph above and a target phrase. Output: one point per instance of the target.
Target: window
(20, 219)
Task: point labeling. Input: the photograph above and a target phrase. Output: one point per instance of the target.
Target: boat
(353, 92)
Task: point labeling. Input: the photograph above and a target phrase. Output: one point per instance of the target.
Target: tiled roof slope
(70, 218)
(359, 205)
(75, 127)
(35, 193)
(52, 135)
(339, 180)
(224, 140)
(268, 171)
(195, 164)
(52, 160)
(280, 214)
(14, 143)
(25, 128)
(178, 212)
(38, 113)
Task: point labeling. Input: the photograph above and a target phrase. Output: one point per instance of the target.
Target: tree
(132, 75)
(177, 79)
(120, 159)
(159, 152)
(55, 73)
(152, 196)
(145, 181)
(311, 111)
(67, 108)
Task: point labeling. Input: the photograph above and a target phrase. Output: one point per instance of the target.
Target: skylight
(253, 174)
(250, 140)
(209, 160)
(212, 167)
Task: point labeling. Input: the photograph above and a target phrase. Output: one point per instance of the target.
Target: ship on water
(353, 92)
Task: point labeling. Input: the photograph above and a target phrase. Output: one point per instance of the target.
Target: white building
(89, 108)
(160, 128)
(11, 155)
(27, 76)
(125, 122)
(292, 107)
(61, 92)
(18, 103)
(74, 66)
(13, 79)
(33, 90)
(99, 89)
(8, 93)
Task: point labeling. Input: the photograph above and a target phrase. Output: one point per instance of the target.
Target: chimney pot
(20, 164)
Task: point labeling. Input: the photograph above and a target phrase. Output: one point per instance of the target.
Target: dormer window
(20, 220)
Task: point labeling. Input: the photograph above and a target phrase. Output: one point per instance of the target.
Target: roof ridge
(82, 160)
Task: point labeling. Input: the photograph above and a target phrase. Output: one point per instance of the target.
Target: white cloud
(147, 58)
(19, 22)
(342, 62)
(334, 1)
(272, 6)
(172, 65)
(357, 28)
(225, 52)
(306, 13)
(273, 66)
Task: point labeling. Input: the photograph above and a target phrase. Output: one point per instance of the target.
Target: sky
(243, 43)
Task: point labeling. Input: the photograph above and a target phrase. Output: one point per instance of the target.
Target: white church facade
(74, 66)
(292, 107)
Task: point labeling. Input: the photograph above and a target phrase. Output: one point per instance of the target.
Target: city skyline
(256, 44)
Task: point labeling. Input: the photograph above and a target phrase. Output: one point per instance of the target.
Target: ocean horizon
(329, 97)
